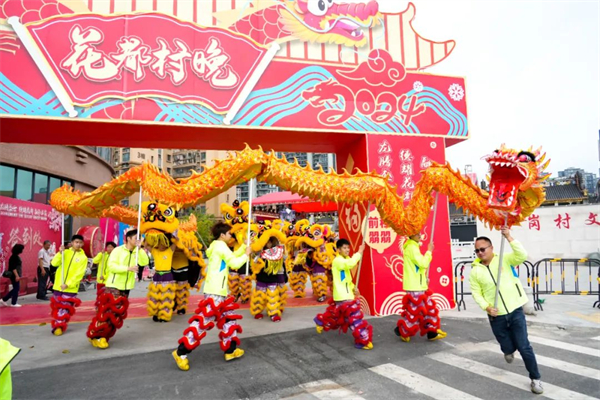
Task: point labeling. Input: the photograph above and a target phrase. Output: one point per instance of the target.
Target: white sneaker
(3, 303)
(509, 358)
(16, 305)
(536, 386)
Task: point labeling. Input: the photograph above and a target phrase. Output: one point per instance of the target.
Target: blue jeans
(511, 332)
(14, 293)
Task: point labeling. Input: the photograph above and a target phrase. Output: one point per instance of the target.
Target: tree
(205, 224)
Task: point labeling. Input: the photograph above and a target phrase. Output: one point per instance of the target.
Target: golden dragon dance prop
(515, 187)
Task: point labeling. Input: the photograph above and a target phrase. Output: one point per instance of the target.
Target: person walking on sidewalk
(43, 271)
(16, 270)
(508, 320)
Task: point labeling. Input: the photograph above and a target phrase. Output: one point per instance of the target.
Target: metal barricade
(561, 265)
(459, 280)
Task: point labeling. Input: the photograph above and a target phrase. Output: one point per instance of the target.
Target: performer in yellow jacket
(113, 302)
(344, 309)
(217, 307)
(8, 352)
(72, 269)
(101, 260)
(419, 309)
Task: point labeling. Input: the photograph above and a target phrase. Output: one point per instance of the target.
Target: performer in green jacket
(419, 309)
(113, 302)
(217, 306)
(7, 353)
(344, 309)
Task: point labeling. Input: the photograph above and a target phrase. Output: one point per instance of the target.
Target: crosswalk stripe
(509, 378)
(326, 390)
(596, 338)
(565, 346)
(560, 365)
(420, 383)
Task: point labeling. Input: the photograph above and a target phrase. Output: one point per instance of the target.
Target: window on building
(169, 171)
(168, 158)
(203, 157)
(40, 188)
(54, 184)
(152, 159)
(125, 157)
(7, 181)
(24, 185)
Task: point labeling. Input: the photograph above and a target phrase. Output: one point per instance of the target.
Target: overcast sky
(532, 70)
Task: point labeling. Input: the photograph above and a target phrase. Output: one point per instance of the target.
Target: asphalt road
(304, 365)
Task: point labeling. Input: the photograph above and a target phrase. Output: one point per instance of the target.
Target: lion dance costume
(216, 308)
(344, 310)
(167, 237)
(271, 289)
(420, 313)
(236, 216)
(64, 301)
(113, 302)
(316, 256)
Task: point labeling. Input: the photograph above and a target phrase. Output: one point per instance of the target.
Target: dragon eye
(152, 206)
(227, 216)
(239, 211)
(317, 7)
(168, 212)
(317, 233)
(524, 158)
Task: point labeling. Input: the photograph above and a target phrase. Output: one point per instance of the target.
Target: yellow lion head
(158, 222)
(236, 213)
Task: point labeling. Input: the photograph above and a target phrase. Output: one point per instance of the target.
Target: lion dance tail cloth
(161, 296)
(420, 314)
(298, 277)
(213, 309)
(318, 278)
(343, 315)
(240, 285)
(63, 308)
(182, 297)
(112, 311)
(282, 289)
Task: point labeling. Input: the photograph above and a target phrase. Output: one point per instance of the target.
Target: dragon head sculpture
(515, 180)
(330, 21)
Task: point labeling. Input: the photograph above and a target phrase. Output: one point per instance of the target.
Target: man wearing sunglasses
(508, 320)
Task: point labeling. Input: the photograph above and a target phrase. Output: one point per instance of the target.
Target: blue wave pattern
(276, 103)
(16, 101)
(435, 100)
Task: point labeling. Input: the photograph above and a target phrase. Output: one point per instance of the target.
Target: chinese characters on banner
(29, 224)
(401, 159)
(379, 235)
(563, 221)
(146, 55)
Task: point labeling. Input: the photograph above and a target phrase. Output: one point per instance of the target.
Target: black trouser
(42, 282)
(14, 293)
(140, 273)
(52, 274)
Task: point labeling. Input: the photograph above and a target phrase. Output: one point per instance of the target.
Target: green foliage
(205, 224)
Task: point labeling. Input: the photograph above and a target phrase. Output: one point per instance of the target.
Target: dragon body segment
(522, 171)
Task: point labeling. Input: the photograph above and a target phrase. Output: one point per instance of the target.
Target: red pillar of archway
(402, 158)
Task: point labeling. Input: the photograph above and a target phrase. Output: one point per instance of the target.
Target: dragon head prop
(329, 21)
(515, 180)
(159, 221)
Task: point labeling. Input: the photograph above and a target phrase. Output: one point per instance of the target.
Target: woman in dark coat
(14, 266)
